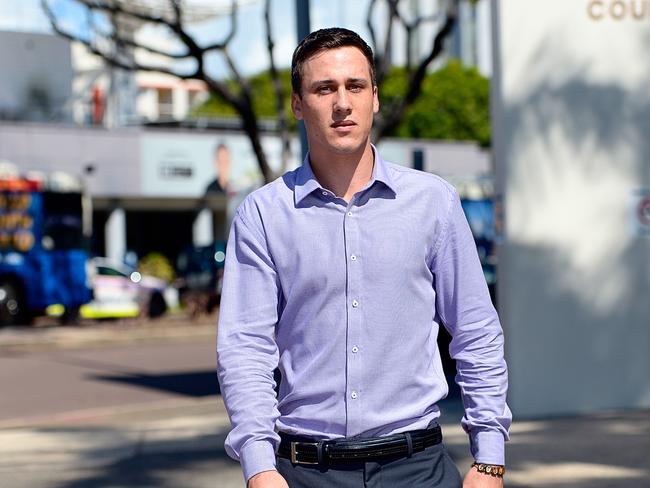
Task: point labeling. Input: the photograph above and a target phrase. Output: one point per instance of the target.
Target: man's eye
(324, 89)
(355, 88)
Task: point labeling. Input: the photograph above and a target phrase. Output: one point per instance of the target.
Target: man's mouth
(343, 124)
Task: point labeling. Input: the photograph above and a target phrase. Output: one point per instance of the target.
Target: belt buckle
(294, 452)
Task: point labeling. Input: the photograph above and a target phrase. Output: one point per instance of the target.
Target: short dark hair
(325, 39)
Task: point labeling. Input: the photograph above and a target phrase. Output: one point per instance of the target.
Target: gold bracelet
(495, 470)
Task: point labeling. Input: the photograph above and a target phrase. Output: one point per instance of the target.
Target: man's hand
(267, 479)
(474, 479)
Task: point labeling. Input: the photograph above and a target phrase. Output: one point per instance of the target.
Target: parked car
(120, 291)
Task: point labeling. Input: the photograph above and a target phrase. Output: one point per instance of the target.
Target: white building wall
(181, 102)
(571, 124)
(161, 163)
(113, 155)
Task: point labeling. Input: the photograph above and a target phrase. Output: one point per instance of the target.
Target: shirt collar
(306, 181)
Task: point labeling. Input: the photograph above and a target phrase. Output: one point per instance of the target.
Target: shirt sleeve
(463, 304)
(247, 352)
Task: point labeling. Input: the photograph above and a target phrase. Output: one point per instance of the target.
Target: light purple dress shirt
(346, 299)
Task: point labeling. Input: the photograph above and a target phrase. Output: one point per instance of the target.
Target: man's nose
(342, 100)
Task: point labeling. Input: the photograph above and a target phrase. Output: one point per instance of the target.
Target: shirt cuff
(256, 457)
(488, 447)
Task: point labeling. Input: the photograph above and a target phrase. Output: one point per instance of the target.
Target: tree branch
(410, 28)
(395, 113)
(136, 45)
(176, 8)
(175, 25)
(379, 56)
(111, 59)
(371, 28)
(283, 123)
(115, 8)
(233, 29)
(387, 61)
(117, 47)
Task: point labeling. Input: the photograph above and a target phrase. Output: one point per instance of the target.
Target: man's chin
(348, 147)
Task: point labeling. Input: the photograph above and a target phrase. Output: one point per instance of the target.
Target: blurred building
(30, 89)
(152, 187)
(148, 167)
(81, 118)
(112, 97)
(471, 39)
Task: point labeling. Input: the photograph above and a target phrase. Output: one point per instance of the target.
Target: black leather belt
(304, 450)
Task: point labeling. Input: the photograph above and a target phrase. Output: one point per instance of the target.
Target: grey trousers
(431, 468)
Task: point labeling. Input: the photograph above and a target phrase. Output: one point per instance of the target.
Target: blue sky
(27, 15)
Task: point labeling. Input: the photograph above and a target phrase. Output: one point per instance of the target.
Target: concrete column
(467, 28)
(484, 37)
(202, 229)
(116, 235)
(181, 102)
(147, 104)
(571, 119)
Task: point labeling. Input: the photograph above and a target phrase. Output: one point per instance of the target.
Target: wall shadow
(166, 465)
(606, 450)
(193, 384)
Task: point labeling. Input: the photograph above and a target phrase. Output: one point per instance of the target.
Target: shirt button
(349, 214)
(355, 304)
(355, 349)
(353, 257)
(325, 193)
(354, 395)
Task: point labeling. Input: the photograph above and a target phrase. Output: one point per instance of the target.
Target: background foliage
(454, 104)
(156, 264)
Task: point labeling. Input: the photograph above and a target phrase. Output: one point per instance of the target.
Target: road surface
(43, 384)
(127, 414)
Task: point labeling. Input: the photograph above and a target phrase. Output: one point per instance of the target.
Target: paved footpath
(179, 443)
(181, 446)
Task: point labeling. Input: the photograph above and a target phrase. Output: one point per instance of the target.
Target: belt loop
(319, 452)
(409, 443)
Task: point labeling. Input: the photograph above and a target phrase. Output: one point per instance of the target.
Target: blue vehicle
(44, 229)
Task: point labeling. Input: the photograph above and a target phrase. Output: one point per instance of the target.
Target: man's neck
(343, 174)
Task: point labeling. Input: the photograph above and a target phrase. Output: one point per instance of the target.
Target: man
(339, 273)
(222, 170)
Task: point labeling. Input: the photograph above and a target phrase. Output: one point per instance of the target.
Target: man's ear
(296, 105)
(375, 99)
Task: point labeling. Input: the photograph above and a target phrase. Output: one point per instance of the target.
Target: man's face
(337, 100)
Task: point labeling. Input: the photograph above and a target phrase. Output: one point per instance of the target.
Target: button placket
(354, 405)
